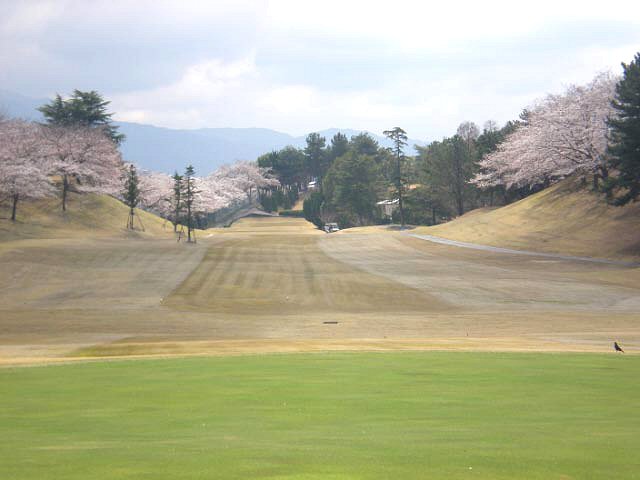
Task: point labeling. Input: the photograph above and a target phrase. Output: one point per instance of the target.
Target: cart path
(488, 248)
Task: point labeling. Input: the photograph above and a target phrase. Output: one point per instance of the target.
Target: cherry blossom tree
(155, 192)
(562, 134)
(83, 156)
(23, 168)
(245, 176)
(228, 186)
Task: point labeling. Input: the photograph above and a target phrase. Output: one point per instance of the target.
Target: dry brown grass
(289, 274)
(565, 218)
(87, 215)
(270, 284)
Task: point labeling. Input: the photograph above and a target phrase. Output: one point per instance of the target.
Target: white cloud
(421, 25)
(299, 66)
(28, 18)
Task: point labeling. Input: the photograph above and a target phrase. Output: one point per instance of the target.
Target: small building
(312, 185)
(387, 207)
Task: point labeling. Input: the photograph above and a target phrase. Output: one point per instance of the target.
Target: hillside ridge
(566, 218)
(87, 215)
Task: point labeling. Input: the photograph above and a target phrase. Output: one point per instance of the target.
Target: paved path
(487, 248)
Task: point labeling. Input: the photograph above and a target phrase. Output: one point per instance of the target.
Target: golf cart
(331, 227)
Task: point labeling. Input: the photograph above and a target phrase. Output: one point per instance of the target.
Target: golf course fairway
(325, 416)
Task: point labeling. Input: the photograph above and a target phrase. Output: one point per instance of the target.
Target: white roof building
(388, 206)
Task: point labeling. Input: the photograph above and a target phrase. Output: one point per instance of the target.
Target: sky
(301, 66)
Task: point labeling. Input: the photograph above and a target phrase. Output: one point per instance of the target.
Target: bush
(311, 209)
(292, 213)
(276, 199)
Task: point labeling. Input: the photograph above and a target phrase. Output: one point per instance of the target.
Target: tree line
(38, 159)
(591, 131)
(341, 179)
(76, 149)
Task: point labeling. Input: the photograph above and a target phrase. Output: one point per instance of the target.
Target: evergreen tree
(176, 200)
(288, 165)
(399, 138)
(315, 155)
(364, 144)
(624, 140)
(190, 193)
(350, 189)
(338, 147)
(131, 193)
(312, 207)
(86, 109)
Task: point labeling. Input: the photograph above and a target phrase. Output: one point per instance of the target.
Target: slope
(87, 215)
(565, 218)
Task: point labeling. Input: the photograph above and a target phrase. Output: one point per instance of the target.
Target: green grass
(335, 416)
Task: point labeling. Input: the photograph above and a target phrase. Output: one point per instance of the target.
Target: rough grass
(87, 215)
(565, 218)
(336, 416)
(270, 284)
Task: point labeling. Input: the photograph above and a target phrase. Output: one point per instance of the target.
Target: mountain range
(166, 149)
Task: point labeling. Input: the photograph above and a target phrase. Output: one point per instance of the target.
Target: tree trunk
(65, 189)
(14, 207)
(596, 176)
(604, 172)
(130, 220)
(433, 216)
(460, 204)
(189, 223)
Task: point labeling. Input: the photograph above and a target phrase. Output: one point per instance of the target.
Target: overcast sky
(299, 66)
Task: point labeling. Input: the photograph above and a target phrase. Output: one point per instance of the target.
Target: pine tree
(190, 193)
(84, 109)
(131, 194)
(399, 138)
(624, 136)
(176, 201)
(315, 156)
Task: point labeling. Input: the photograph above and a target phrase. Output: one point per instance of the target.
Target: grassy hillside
(86, 215)
(565, 218)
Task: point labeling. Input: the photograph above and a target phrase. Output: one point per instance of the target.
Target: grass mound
(86, 215)
(565, 218)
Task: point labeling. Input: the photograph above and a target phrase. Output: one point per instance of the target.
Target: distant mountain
(167, 150)
(20, 106)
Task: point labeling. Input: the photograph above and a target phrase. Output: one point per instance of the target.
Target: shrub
(312, 207)
(292, 213)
